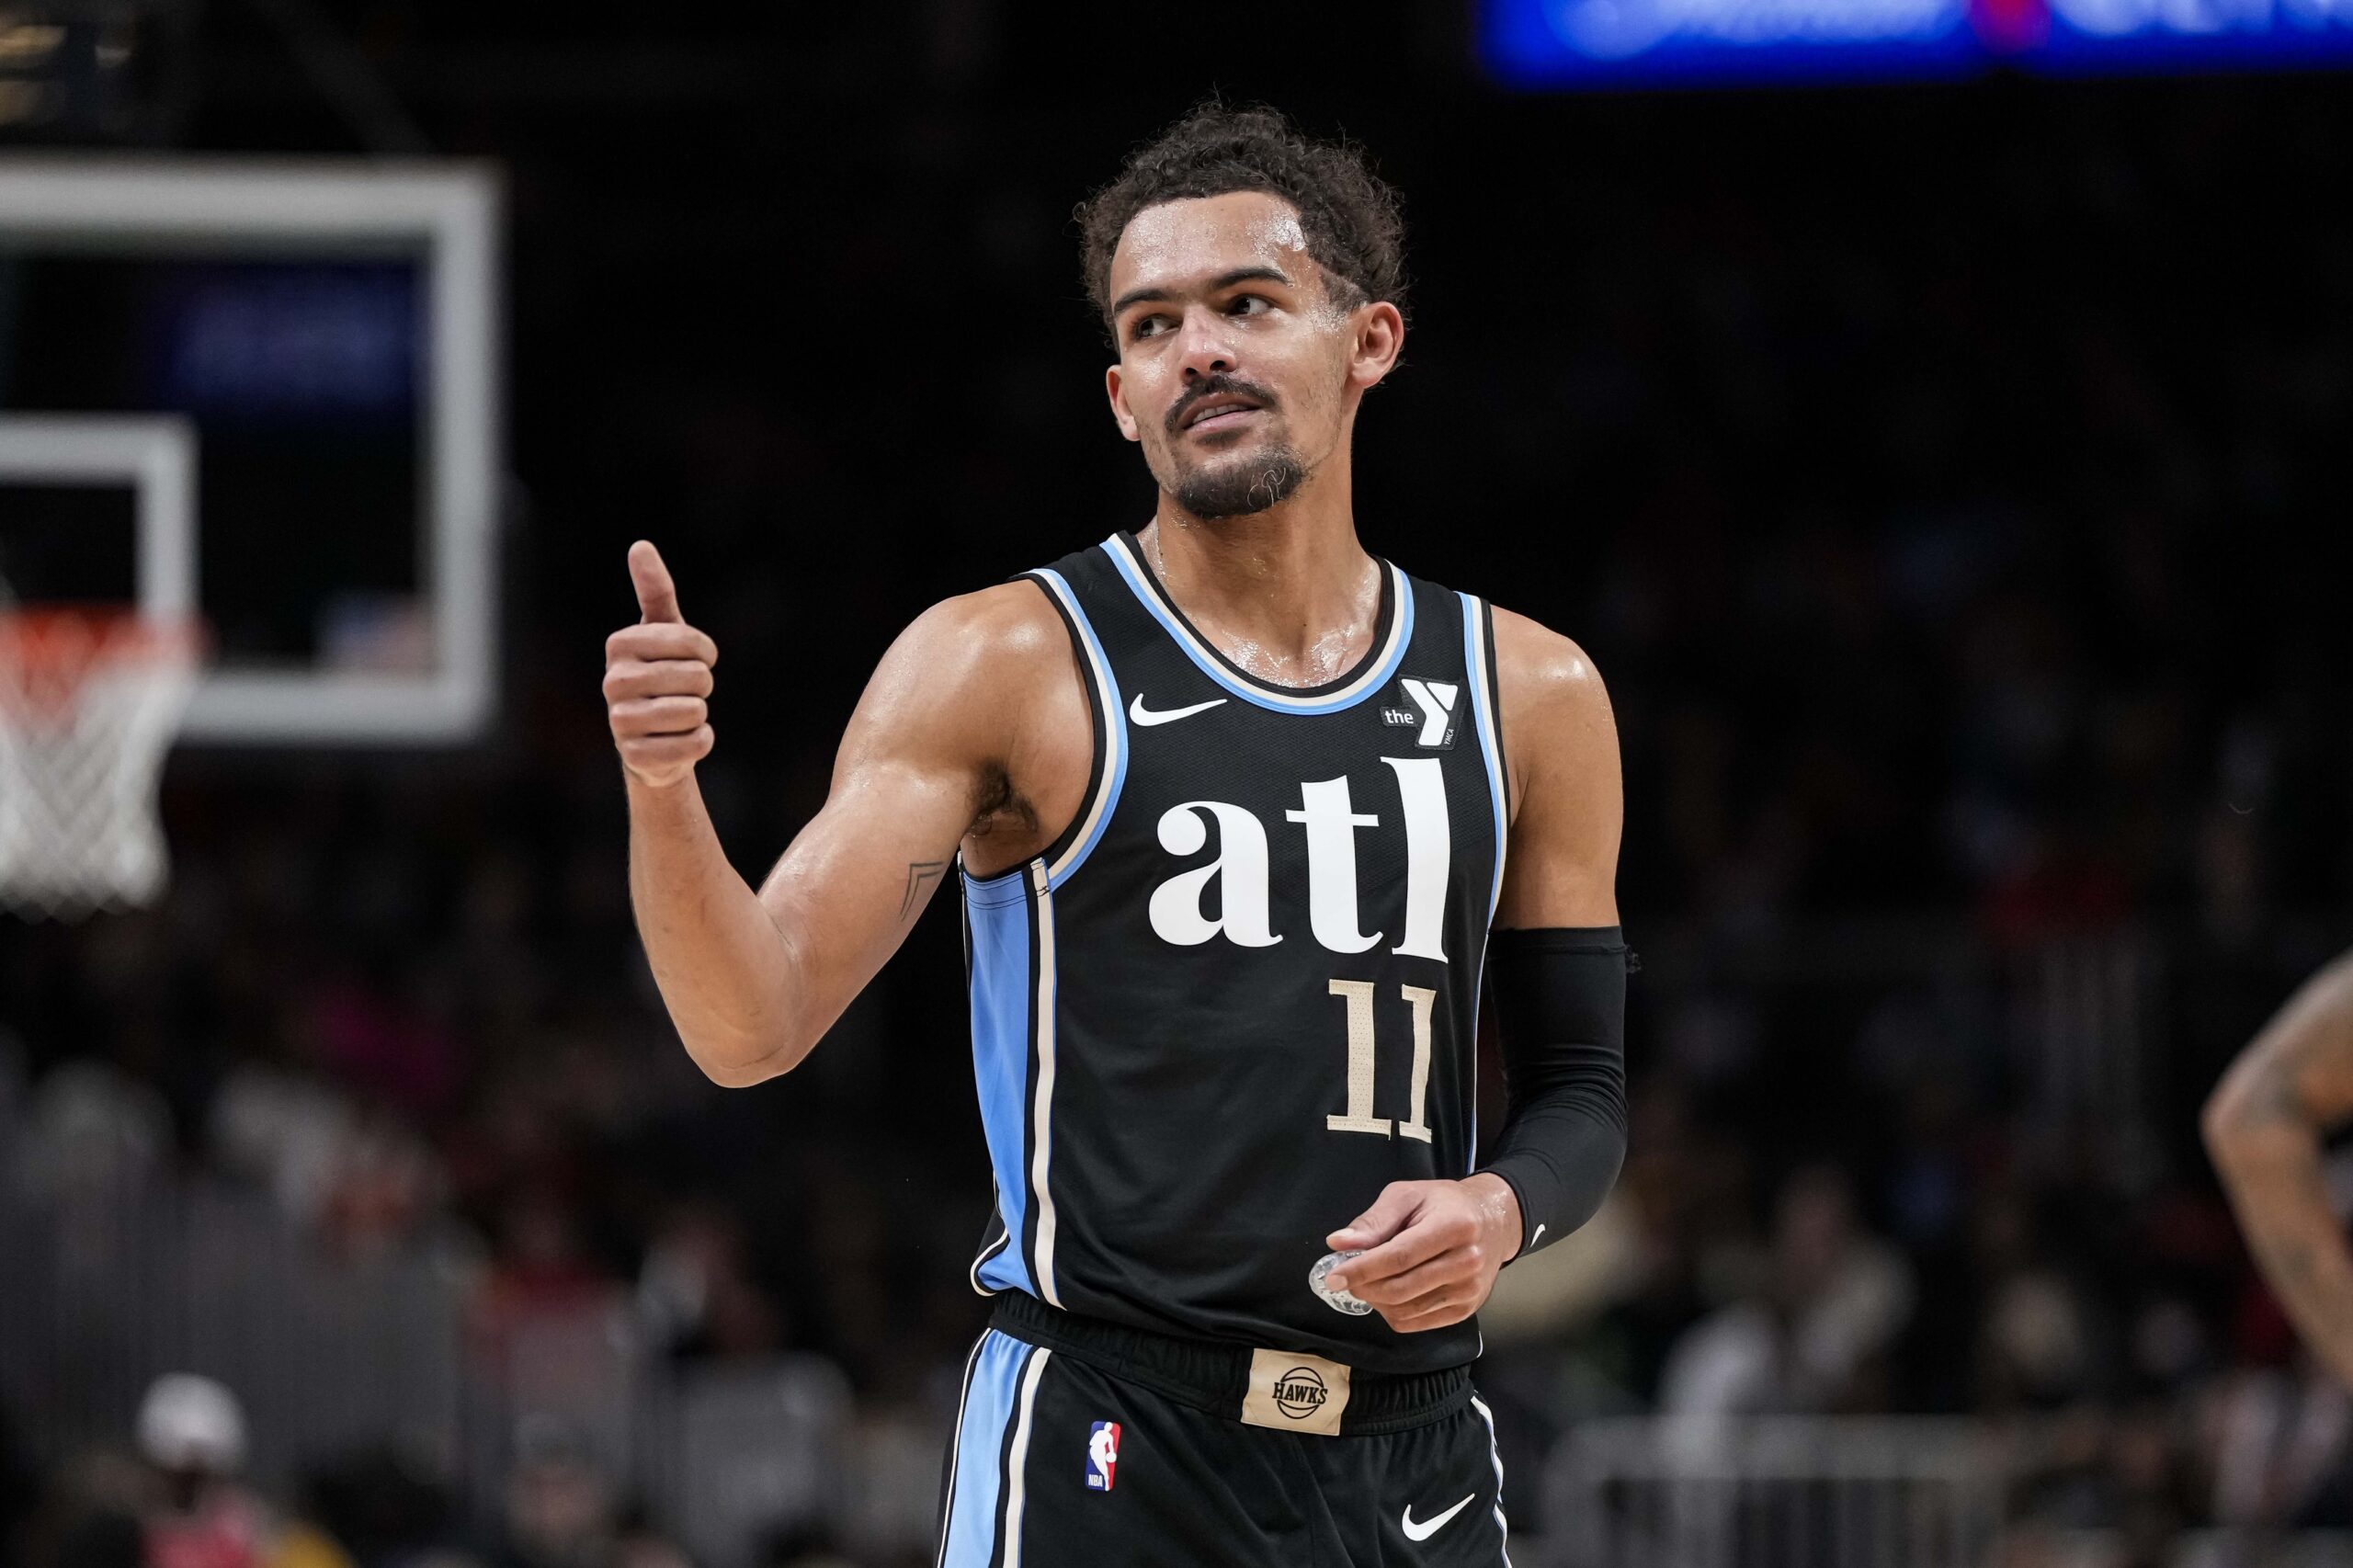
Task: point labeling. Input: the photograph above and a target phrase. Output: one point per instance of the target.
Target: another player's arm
(753, 980)
(2264, 1125)
(1435, 1246)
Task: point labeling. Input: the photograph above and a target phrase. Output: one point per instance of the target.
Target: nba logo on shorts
(1102, 1455)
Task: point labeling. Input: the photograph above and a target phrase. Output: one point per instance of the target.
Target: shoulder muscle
(985, 688)
(1560, 744)
(958, 684)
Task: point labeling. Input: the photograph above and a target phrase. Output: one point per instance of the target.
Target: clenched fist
(1431, 1249)
(657, 680)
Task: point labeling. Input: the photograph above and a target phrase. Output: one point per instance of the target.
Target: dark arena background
(1946, 467)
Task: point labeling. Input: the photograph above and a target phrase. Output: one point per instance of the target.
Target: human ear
(1379, 338)
(1120, 412)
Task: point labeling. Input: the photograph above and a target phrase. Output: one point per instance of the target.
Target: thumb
(657, 596)
(1387, 1216)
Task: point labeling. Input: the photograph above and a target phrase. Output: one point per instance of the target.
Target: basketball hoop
(89, 701)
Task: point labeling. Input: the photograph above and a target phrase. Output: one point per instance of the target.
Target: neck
(1288, 594)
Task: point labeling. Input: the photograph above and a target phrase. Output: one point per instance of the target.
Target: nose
(1204, 350)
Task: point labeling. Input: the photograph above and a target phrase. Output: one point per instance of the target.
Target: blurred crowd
(1949, 486)
(177, 1497)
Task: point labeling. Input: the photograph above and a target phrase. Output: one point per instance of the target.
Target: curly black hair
(1350, 217)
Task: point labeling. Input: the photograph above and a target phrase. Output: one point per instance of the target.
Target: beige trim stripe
(1016, 1463)
(1041, 1123)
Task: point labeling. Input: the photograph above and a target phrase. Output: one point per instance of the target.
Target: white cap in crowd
(188, 1422)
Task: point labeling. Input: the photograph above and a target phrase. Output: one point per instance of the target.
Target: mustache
(1218, 386)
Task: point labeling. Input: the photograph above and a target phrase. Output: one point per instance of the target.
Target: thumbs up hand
(657, 680)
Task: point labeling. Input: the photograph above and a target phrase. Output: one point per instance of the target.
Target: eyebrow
(1224, 280)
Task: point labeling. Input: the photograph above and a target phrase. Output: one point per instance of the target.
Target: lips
(1214, 413)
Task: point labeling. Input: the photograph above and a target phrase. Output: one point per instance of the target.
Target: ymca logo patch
(1102, 1455)
(1428, 707)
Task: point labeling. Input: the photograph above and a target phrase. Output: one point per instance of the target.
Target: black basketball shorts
(1080, 1444)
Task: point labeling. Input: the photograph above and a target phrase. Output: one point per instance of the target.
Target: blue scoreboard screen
(1600, 43)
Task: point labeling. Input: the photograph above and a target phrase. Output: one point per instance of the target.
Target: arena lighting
(78, 71)
(1602, 44)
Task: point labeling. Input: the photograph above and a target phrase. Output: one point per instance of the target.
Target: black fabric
(1561, 1009)
(1284, 893)
(1213, 1377)
(1193, 1490)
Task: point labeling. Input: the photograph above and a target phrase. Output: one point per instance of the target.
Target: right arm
(753, 980)
(2264, 1125)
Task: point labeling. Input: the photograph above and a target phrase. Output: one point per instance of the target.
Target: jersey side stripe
(1016, 1463)
(990, 1248)
(1042, 1112)
(1491, 749)
(1477, 665)
(955, 1452)
(1009, 938)
(1496, 1454)
(1115, 735)
(977, 1490)
(1376, 675)
(998, 918)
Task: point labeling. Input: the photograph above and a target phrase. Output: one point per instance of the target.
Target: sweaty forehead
(1179, 245)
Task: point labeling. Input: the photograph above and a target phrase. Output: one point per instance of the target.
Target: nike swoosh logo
(1145, 716)
(1434, 1524)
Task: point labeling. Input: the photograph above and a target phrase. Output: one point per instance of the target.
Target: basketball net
(88, 704)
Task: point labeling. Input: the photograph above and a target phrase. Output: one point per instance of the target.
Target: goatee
(1238, 490)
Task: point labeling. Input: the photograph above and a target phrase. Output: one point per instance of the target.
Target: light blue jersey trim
(978, 1487)
(1000, 986)
(956, 1446)
(1491, 747)
(1115, 739)
(1009, 1018)
(1401, 637)
(1490, 752)
(1012, 883)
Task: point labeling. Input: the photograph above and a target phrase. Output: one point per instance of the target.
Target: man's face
(1237, 370)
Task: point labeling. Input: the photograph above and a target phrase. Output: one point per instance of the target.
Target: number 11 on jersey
(1359, 1118)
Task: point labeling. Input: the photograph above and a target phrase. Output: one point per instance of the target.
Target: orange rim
(48, 655)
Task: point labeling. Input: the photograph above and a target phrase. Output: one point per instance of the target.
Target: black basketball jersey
(1239, 996)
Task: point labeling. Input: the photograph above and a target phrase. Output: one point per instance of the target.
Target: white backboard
(444, 218)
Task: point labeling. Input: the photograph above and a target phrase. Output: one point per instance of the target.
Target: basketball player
(2265, 1124)
(1244, 818)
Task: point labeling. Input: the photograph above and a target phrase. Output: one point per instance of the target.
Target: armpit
(999, 812)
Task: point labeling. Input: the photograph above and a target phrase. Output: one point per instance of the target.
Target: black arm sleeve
(1560, 1007)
